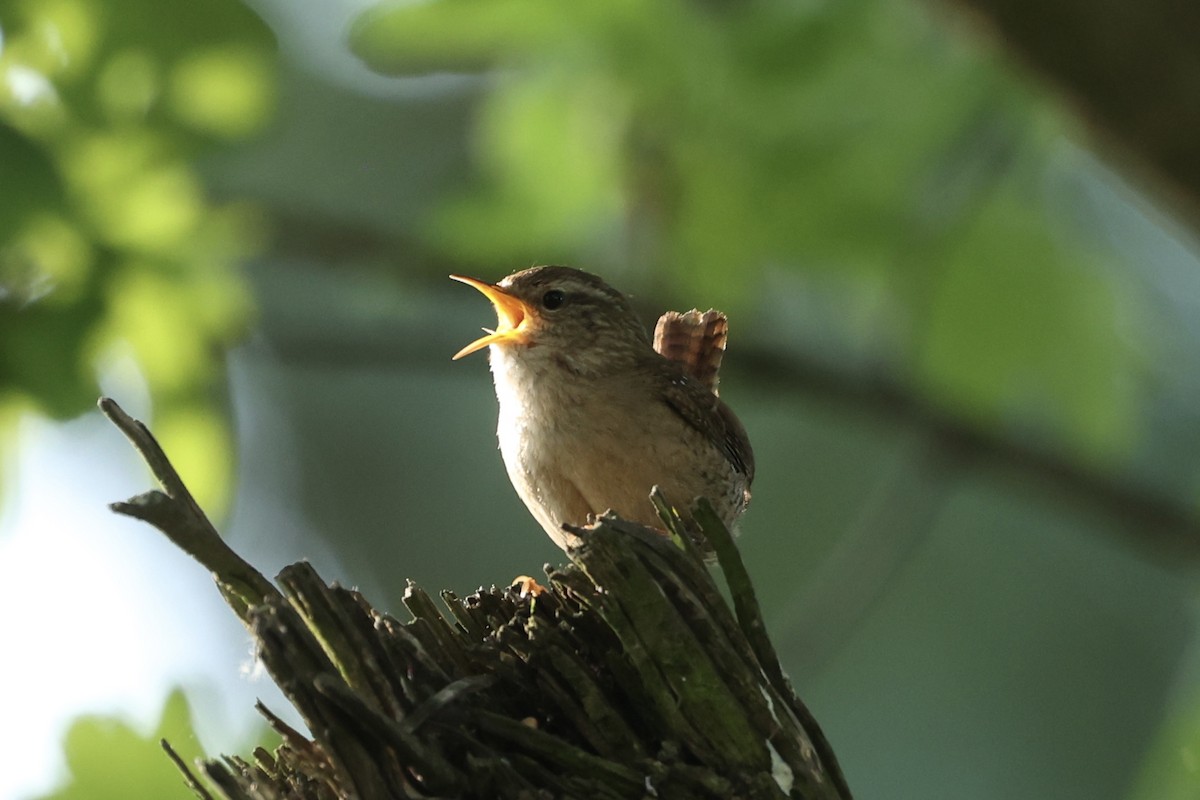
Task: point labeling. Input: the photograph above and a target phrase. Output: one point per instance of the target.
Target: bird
(593, 414)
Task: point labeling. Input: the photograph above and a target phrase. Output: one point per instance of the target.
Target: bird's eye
(553, 299)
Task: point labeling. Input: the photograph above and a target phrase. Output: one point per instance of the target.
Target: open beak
(511, 311)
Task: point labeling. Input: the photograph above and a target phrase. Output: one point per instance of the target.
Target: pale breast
(584, 449)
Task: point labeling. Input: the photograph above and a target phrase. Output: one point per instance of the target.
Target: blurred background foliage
(965, 349)
(111, 247)
(108, 759)
(852, 142)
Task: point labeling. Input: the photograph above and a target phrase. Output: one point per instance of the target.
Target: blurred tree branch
(1160, 524)
(1132, 70)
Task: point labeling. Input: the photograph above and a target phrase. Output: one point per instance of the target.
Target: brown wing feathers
(696, 340)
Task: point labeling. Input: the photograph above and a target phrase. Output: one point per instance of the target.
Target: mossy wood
(628, 676)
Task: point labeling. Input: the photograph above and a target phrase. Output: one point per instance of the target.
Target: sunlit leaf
(223, 91)
(555, 133)
(109, 758)
(128, 85)
(458, 36)
(202, 436)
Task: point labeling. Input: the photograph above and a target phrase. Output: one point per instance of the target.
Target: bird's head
(564, 316)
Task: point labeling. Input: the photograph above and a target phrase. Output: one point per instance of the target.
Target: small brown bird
(592, 416)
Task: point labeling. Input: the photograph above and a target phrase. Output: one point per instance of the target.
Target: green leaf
(447, 35)
(108, 758)
(42, 355)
